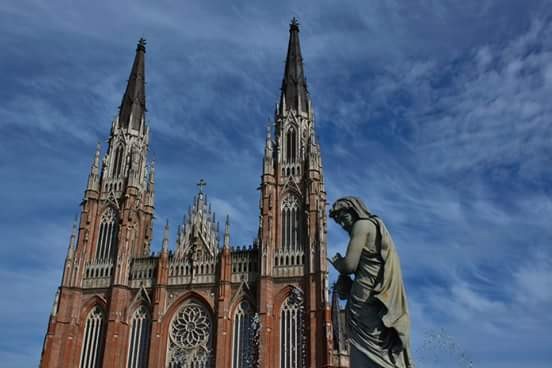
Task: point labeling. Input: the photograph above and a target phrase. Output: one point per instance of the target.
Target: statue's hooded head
(353, 205)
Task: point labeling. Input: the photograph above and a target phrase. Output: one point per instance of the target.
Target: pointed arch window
(291, 232)
(139, 338)
(92, 341)
(117, 162)
(107, 237)
(190, 337)
(242, 336)
(292, 343)
(291, 145)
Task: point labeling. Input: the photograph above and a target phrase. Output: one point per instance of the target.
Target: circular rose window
(191, 327)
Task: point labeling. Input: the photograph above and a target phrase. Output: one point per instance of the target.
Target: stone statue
(377, 311)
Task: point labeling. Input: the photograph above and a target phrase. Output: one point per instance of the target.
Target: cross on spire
(202, 183)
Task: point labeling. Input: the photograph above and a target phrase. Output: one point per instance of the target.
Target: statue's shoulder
(364, 226)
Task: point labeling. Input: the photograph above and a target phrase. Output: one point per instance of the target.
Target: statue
(377, 311)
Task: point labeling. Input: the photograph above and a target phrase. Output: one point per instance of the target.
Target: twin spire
(294, 85)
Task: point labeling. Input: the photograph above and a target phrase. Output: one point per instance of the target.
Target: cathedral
(200, 302)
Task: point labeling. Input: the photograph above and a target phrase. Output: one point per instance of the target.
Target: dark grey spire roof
(134, 100)
(294, 85)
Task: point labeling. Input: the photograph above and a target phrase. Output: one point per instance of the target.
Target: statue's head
(345, 211)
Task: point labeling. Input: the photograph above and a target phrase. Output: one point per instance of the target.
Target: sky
(435, 113)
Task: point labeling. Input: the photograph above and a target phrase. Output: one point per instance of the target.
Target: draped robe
(377, 310)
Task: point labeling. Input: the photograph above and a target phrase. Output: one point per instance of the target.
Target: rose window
(191, 327)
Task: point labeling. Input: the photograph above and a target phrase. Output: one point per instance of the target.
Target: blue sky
(436, 113)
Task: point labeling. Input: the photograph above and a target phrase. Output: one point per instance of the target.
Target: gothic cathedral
(203, 303)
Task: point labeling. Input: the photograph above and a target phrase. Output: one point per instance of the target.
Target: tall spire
(133, 105)
(294, 85)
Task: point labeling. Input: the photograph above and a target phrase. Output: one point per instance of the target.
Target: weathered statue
(377, 311)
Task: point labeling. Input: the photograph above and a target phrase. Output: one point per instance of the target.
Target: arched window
(292, 343)
(117, 162)
(190, 337)
(107, 238)
(92, 341)
(242, 335)
(139, 339)
(291, 145)
(291, 232)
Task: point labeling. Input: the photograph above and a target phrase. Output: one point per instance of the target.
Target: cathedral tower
(115, 229)
(293, 301)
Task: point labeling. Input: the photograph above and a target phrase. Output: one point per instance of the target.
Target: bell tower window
(291, 146)
(117, 162)
(107, 238)
(290, 223)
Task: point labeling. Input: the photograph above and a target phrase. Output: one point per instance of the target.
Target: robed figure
(377, 310)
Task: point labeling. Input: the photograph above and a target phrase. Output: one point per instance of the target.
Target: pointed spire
(268, 143)
(72, 241)
(294, 85)
(227, 232)
(94, 176)
(165, 246)
(96, 164)
(133, 104)
(268, 168)
(269, 132)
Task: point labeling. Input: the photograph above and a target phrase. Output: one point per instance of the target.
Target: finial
(55, 304)
(72, 239)
(202, 183)
(268, 130)
(152, 172)
(141, 44)
(227, 232)
(294, 25)
(96, 162)
(165, 246)
(98, 150)
(75, 220)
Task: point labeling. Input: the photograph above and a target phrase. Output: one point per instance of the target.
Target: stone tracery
(190, 337)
